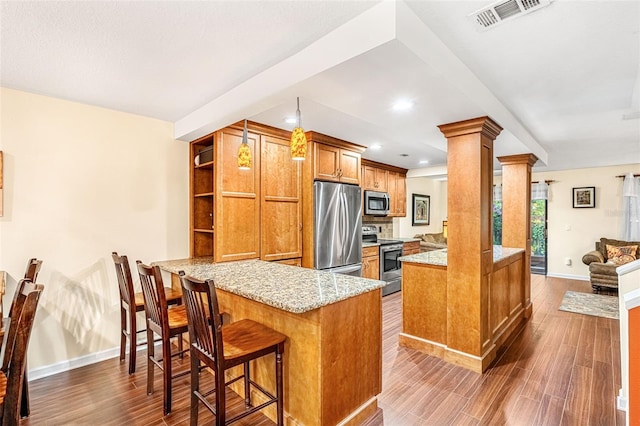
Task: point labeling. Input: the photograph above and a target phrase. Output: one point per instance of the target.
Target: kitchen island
(427, 310)
(333, 324)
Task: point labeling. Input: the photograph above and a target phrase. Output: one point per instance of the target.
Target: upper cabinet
(375, 179)
(335, 160)
(385, 178)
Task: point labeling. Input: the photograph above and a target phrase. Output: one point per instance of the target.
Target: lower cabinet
(411, 247)
(371, 262)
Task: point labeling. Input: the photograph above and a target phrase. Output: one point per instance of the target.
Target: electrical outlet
(567, 261)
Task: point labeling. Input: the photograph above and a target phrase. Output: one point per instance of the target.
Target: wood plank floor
(562, 369)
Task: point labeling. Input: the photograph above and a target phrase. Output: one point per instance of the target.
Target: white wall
(436, 189)
(81, 182)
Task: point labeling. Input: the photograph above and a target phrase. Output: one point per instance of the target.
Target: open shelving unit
(202, 197)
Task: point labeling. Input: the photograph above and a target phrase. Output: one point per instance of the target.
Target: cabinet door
(381, 180)
(327, 162)
(373, 269)
(237, 199)
(368, 178)
(401, 195)
(281, 201)
(349, 167)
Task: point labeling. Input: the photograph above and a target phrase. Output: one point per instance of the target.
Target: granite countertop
(369, 244)
(285, 287)
(406, 239)
(439, 257)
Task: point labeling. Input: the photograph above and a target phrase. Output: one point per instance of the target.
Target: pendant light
(298, 139)
(244, 153)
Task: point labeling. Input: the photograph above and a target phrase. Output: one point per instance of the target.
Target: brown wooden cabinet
(336, 164)
(398, 194)
(385, 178)
(374, 179)
(281, 201)
(371, 262)
(237, 206)
(410, 247)
(255, 213)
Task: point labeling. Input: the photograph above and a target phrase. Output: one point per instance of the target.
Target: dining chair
(167, 323)
(15, 352)
(131, 303)
(221, 347)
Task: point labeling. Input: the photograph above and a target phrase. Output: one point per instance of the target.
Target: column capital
(484, 125)
(529, 159)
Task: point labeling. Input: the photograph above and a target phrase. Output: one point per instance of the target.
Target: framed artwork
(584, 197)
(420, 213)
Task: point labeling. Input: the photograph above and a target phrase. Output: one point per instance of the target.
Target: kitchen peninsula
(427, 311)
(333, 324)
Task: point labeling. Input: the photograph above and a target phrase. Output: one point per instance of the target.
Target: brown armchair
(602, 269)
(429, 242)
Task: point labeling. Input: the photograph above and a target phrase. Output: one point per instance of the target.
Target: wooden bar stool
(165, 322)
(15, 355)
(130, 303)
(222, 347)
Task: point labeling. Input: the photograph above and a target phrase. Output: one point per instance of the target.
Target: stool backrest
(155, 300)
(125, 282)
(14, 313)
(33, 267)
(203, 316)
(22, 323)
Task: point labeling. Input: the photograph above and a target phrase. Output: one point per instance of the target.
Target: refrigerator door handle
(345, 224)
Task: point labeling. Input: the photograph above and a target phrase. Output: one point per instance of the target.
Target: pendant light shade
(244, 152)
(298, 139)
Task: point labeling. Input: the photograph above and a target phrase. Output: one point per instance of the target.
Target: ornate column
(516, 218)
(470, 240)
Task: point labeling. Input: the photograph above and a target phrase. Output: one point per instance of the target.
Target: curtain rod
(546, 181)
(621, 176)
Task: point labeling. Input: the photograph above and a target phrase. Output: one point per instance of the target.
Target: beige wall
(80, 182)
(436, 189)
(573, 232)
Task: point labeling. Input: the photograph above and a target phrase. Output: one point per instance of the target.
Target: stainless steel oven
(390, 266)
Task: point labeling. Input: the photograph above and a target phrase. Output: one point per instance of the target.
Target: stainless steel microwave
(376, 203)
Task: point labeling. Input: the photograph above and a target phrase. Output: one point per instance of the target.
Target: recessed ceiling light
(290, 120)
(424, 161)
(376, 146)
(402, 105)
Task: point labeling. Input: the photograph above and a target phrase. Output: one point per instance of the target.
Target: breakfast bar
(333, 324)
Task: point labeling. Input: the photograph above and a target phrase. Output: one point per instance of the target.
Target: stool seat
(247, 337)
(173, 297)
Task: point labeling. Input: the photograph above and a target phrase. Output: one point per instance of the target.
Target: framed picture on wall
(584, 197)
(420, 211)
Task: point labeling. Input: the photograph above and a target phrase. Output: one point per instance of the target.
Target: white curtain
(630, 209)
(539, 191)
(497, 193)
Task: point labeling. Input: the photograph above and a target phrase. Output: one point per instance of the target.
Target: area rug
(590, 304)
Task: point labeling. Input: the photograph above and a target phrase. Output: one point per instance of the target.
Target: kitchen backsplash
(385, 225)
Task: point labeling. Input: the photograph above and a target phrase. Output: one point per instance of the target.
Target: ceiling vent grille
(494, 14)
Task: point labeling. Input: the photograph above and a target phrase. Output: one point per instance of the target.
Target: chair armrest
(592, 256)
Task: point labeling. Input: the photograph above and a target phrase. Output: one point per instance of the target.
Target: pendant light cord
(298, 113)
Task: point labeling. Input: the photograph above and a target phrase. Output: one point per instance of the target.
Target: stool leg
(123, 332)
(133, 341)
(247, 389)
(195, 387)
(280, 403)
(150, 356)
(166, 374)
(221, 416)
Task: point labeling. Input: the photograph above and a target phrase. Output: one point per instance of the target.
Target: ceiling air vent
(496, 13)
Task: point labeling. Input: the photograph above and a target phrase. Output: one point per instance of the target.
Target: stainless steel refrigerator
(338, 228)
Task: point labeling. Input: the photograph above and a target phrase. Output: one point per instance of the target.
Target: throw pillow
(621, 255)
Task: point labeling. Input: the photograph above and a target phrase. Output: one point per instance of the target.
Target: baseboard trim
(71, 364)
(568, 276)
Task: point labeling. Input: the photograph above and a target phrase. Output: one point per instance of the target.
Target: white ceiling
(559, 80)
